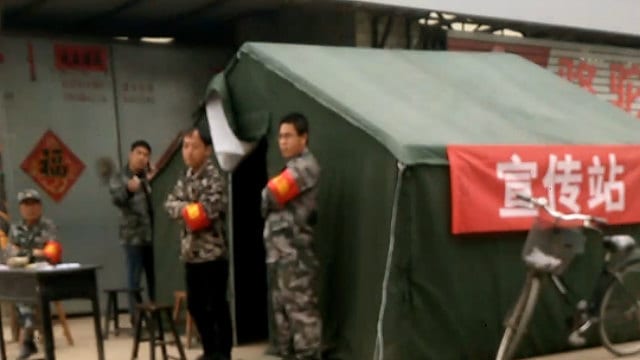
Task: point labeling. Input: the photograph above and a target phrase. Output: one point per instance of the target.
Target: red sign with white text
(601, 180)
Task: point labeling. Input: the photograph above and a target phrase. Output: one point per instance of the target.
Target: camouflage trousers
(294, 302)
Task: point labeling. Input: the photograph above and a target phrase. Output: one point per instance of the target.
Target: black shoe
(272, 351)
(306, 357)
(27, 349)
(204, 357)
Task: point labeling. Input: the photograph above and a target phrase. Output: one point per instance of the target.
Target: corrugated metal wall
(610, 73)
(146, 92)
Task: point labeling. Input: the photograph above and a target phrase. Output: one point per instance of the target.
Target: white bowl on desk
(18, 261)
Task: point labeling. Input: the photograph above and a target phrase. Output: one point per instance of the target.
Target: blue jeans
(139, 258)
(26, 313)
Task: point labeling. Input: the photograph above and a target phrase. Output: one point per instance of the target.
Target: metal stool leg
(152, 336)
(176, 336)
(116, 315)
(163, 346)
(137, 337)
(107, 316)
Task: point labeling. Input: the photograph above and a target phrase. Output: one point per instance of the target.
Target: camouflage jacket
(288, 226)
(24, 238)
(136, 210)
(208, 187)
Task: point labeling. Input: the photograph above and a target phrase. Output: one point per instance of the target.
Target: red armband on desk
(195, 217)
(284, 187)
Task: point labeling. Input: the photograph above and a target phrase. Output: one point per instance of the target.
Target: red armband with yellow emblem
(284, 187)
(53, 252)
(195, 217)
(4, 240)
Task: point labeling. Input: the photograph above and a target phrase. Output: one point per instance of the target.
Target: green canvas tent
(395, 282)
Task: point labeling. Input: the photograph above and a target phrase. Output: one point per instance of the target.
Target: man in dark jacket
(131, 193)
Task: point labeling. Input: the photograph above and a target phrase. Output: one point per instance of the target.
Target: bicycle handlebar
(542, 203)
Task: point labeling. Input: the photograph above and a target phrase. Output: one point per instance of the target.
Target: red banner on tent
(598, 180)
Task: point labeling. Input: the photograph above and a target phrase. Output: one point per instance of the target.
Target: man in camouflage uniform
(131, 193)
(4, 231)
(289, 204)
(27, 238)
(199, 202)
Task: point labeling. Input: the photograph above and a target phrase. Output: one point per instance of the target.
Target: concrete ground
(588, 354)
(120, 347)
(117, 348)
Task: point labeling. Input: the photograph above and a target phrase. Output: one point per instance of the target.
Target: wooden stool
(13, 320)
(180, 298)
(153, 313)
(62, 319)
(113, 309)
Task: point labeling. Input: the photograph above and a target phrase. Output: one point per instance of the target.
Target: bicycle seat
(619, 242)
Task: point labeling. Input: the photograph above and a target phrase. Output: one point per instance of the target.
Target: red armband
(52, 252)
(195, 217)
(4, 240)
(284, 187)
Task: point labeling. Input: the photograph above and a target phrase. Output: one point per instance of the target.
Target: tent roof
(417, 102)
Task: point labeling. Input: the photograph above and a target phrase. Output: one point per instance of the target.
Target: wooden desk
(41, 286)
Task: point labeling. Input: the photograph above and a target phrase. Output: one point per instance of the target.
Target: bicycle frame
(618, 259)
(605, 278)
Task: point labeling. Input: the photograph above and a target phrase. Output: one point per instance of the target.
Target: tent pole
(116, 104)
(378, 353)
(230, 240)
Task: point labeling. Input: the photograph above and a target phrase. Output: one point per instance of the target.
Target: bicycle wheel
(518, 321)
(620, 313)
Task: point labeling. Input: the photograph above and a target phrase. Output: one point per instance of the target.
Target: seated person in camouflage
(27, 238)
(4, 224)
(4, 230)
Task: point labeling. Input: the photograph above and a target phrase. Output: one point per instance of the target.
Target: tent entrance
(250, 274)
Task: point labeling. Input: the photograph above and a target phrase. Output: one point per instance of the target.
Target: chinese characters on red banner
(563, 181)
(83, 71)
(53, 166)
(598, 180)
(92, 58)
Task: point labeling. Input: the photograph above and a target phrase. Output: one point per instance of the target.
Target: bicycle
(547, 253)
